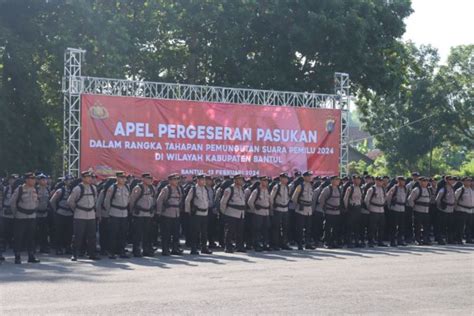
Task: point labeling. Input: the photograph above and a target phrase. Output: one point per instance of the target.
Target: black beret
(402, 178)
(466, 179)
(174, 176)
(355, 176)
(263, 178)
(415, 174)
(307, 173)
(335, 177)
(237, 176)
(201, 176)
(284, 175)
(379, 178)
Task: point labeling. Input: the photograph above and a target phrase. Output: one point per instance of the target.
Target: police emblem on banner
(330, 124)
(98, 111)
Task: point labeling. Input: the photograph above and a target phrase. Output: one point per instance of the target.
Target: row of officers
(260, 214)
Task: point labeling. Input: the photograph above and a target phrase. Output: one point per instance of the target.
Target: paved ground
(416, 280)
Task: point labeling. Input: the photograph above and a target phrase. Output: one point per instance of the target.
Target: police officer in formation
(354, 212)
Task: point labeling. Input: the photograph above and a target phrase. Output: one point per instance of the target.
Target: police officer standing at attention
(330, 201)
(24, 203)
(409, 209)
(259, 203)
(303, 198)
(197, 204)
(280, 200)
(63, 217)
(142, 204)
(396, 200)
(7, 214)
(375, 201)
(464, 211)
(445, 204)
(168, 207)
(116, 204)
(419, 200)
(82, 201)
(42, 223)
(352, 203)
(232, 206)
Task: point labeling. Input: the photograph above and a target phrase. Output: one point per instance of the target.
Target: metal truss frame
(74, 84)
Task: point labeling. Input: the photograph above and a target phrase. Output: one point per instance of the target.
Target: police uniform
(42, 223)
(24, 203)
(280, 200)
(82, 201)
(303, 198)
(396, 200)
(7, 215)
(317, 225)
(445, 200)
(103, 218)
(259, 205)
(232, 206)
(330, 200)
(212, 216)
(353, 204)
(142, 204)
(419, 199)
(409, 216)
(116, 203)
(197, 205)
(375, 202)
(168, 207)
(464, 212)
(63, 218)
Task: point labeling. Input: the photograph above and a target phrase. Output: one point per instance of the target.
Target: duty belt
(171, 205)
(465, 206)
(281, 205)
(259, 207)
(25, 211)
(237, 207)
(42, 211)
(304, 203)
(332, 207)
(448, 204)
(119, 207)
(200, 209)
(400, 203)
(377, 204)
(422, 203)
(139, 208)
(86, 209)
(65, 208)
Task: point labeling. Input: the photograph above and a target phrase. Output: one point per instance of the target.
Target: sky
(441, 23)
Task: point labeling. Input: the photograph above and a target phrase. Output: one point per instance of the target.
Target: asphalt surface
(417, 280)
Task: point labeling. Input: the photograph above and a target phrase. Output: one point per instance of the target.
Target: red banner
(139, 135)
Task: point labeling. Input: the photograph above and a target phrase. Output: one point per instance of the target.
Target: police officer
(463, 211)
(303, 198)
(375, 201)
(24, 203)
(82, 201)
(197, 205)
(259, 204)
(419, 200)
(168, 207)
(63, 216)
(317, 225)
(445, 205)
(142, 204)
(330, 201)
(103, 216)
(352, 203)
(116, 203)
(42, 224)
(396, 200)
(212, 216)
(232, 206)
(248, 221)
(280, 200)
(409, 209)
(7, 214)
